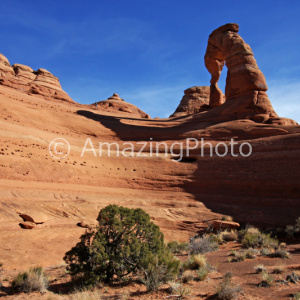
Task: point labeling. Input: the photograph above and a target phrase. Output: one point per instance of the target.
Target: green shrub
(294, 230)
(267, 279)
(296, 296)
(260, 268)
(216, 238)
(157, 270)
(178, 248)
(195, 262)
(227, 290)
(237, 256)
(29, 281)
(202, 273)
(187, 276)
(257, 239)
(123, 243)
(251, 253)
(265, 252)
(280, 253)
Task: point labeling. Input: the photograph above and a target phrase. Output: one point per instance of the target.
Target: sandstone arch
(246, 86)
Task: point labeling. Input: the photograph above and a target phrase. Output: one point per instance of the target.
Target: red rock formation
(5, 67)
(217, 224)
(195, 99)
(116, 104)
(246, 87)
(24, 78)
(115, 97)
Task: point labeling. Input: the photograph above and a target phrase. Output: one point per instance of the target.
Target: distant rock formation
(117, 104)
(115, 97)
(195, 99)
(246, 87)
(25, 79)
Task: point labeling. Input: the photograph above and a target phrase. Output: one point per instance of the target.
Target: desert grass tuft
(30, 281)
(86, 294)
(260, 268)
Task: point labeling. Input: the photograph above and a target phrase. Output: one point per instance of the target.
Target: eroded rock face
(117, 104)
(25, 79)
(218, 224)
(195, 99)
(5, 67)
(246, 85)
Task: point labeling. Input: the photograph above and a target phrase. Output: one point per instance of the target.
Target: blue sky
(150, 51)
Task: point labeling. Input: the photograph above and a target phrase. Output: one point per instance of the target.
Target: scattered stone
(34, 217)
(27, 225)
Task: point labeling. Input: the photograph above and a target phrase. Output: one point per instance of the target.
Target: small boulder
(27, 225)
(34, 217)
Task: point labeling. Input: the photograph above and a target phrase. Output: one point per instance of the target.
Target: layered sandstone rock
(195, 99)
(115, 97)
(246, 87)
(117, 104)
(25, 79)
(24, 73)
(217, 224)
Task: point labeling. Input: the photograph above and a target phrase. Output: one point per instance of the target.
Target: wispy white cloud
(285, 98)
